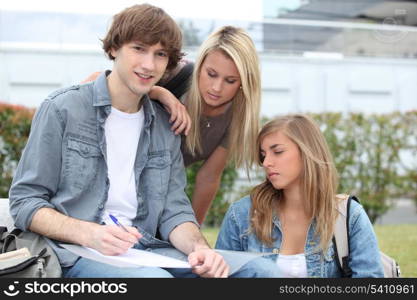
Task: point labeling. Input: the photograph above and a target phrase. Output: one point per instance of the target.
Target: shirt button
(101, 206)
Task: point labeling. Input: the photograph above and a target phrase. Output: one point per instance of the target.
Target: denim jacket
(364, 253)
(64, 166)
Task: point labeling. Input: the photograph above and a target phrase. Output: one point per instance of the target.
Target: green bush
(15, 123)
(367, 151)
(374, 154)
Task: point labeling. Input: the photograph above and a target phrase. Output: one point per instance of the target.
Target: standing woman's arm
(207, 182)
(169, 90)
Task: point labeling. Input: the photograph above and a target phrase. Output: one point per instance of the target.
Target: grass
(400, 242)
(210, 233)
(397, 241)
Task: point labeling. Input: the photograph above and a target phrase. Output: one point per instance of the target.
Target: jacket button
(275, 251)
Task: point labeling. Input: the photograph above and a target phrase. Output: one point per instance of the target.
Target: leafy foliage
(15, 123)
(375, 156)
(367, 151)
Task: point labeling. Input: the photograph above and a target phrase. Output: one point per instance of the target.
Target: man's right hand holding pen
(113, 239)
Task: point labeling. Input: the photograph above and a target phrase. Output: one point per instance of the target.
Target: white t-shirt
(292, 265)
(122, 132)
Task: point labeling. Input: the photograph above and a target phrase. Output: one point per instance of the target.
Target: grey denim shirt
(63, 166)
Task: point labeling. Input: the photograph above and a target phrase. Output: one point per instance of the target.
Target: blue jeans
(86, 268)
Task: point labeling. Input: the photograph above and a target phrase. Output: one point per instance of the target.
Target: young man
(104, 149)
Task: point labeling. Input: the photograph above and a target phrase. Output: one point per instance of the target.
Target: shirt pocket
(81, 163)
(156, 174)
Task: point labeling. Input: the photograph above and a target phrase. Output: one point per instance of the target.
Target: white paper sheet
(132, 258)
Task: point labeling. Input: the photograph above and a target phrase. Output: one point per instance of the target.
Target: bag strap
(3, 229)
(9, 239)
(341, 236)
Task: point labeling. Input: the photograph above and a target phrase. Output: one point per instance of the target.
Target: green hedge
(15, 123)
(374, 154)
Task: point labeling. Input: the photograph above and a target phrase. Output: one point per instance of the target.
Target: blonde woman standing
(223, 104)
(293, 212)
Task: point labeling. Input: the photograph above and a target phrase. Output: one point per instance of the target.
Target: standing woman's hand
(91, 77)
(180, 119)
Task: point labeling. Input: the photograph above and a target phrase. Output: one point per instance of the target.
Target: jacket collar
(101, 98)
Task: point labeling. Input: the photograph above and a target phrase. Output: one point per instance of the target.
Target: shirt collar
(102, 97)
(101, 91)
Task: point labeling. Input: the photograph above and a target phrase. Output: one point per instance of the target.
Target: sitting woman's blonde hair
(319, 179)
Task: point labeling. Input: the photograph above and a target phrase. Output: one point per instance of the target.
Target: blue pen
(114, 219)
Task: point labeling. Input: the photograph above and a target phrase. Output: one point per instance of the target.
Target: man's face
(139, 67)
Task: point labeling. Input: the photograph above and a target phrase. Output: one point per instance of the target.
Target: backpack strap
(341, 236)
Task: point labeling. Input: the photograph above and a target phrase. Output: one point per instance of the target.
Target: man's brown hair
(147, 24)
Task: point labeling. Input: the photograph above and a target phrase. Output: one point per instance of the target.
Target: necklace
(206, 121)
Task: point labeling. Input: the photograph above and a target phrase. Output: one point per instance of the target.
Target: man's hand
(112, 240)
(208, 263)
(107, 239)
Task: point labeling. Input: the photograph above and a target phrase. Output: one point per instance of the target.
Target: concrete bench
(5, 217)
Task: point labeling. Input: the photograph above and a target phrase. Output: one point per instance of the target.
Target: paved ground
(404, 212)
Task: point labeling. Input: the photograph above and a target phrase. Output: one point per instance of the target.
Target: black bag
(341, 243)
(38, 260)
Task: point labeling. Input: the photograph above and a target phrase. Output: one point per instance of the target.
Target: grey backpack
(341, 242)
(26, 254)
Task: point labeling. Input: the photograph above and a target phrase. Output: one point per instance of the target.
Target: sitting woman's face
(219, 80)
(281, 160)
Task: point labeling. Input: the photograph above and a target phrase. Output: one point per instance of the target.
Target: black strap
(10, 238)
(180, 83)
(347, 227)
(3, 229)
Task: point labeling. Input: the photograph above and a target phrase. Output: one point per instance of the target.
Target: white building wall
(289, 84)
(370, 85)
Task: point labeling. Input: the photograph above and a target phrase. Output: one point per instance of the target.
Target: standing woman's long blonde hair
(319, 179)
(236, 44)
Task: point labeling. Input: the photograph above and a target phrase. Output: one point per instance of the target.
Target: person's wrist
(199, 247)
(87, 229)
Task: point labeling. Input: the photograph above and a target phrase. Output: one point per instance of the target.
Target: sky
(220, 9)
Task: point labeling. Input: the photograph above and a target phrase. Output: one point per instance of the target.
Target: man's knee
(152, 272)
